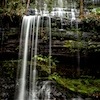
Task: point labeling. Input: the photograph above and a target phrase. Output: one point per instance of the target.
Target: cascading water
(33, 92)
(58, 11)
(73, 17)
(26, 78)
(24, 57)
(27, 72)
(24, 82)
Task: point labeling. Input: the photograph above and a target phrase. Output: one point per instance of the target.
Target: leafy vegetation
(46, 63)
(74, 45)
(83, 86)
(91, 23)
(13, 8)
(9, 68)
(87, 86)
(96, 11)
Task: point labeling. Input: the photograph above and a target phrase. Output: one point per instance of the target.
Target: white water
(31, 65)
(61, 12)
(22, 82)
(34, 97)
(73, 17)
(27, 73)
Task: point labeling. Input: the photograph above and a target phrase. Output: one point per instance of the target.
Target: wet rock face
(45, 90)
(30, 12)
(8, 71)
(7, 89)
(48, 90)
(9, 39)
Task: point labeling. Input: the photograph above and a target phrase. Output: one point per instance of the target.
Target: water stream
(27, 73)
(26, 88)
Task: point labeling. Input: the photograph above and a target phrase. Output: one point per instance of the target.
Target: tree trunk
(81, 9)
(28, 3)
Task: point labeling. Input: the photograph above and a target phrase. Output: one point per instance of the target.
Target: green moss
(83, 86)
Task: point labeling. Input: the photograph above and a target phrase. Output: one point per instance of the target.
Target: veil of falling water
(27, 73)
(26, 78)
(26, 88)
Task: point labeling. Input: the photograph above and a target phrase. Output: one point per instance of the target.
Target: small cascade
(73, 17)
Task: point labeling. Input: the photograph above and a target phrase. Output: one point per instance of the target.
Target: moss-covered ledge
(86, 86)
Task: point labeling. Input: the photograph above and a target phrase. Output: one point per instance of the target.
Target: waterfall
(24, 48)
(73, 17)
(35, 61)
(26, 88)
(27, 72)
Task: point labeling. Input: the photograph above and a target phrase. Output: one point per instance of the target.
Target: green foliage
(83, 86)
(96, 10)
(95, 46)
(74, 44)
(91, 23)
(1, 10)
(9, 67)
(49, 4)
(46, 63)
(13, 7)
